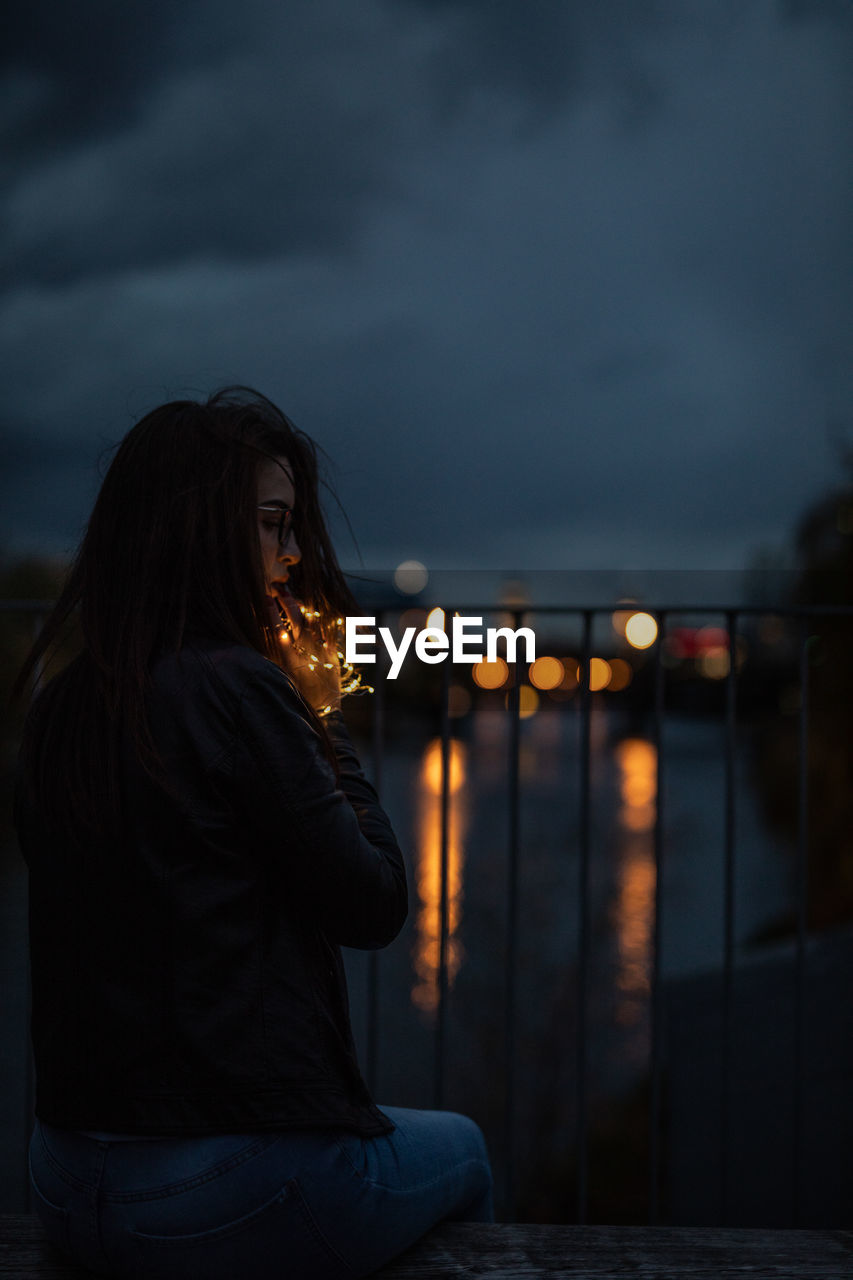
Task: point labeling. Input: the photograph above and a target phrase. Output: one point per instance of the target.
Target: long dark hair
(171, 551)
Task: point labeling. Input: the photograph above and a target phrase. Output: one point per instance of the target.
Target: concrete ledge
(519, 1250)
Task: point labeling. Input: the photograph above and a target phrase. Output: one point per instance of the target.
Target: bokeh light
(621, 674)
(528, 702)
(599, 674)
(490, 675)
(411, 618)
(546, 673)
(571, 676)
(714, 662)
(712, 638)
(619, 619)
(641, 630)
(410, 577)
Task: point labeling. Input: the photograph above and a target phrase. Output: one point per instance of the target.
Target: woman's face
(275, 489)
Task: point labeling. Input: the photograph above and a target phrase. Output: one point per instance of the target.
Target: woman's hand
(313, 665)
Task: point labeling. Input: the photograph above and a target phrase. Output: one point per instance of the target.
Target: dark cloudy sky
(557, 283)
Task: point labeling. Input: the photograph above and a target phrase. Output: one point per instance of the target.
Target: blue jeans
(301, 1204)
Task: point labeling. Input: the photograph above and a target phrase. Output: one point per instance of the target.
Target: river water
(541, 1054)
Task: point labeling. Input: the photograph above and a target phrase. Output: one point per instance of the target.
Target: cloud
(272, 144)
(529, 323)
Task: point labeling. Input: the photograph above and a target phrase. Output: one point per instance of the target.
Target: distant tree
(823, 543)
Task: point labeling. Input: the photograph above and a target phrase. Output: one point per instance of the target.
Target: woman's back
(186, 975)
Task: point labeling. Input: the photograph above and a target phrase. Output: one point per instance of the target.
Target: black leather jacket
(189, 980)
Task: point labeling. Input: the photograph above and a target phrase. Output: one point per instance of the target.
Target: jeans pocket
(280, 1238)
(52, 1217)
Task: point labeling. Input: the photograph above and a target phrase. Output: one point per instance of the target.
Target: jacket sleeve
(341, 850)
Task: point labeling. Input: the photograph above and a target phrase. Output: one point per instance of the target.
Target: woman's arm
(336, 838)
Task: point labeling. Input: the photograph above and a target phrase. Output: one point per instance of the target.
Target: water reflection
(428, 923)
(634, 903)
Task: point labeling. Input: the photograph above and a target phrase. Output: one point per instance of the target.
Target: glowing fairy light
(350, 678)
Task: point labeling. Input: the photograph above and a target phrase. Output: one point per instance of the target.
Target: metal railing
(662, 614)
(587, 614)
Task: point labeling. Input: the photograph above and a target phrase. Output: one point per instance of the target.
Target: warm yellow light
(411, 618)
(599, 674)
(636, 755)
(640, 817)
(621, 674)
(435, 619)
(633, 907)
(546, 673)
(637, 760)
(528, 702)
(572, 674)
(432, 770)
(428, 871)
(641, 630)
(714, 662)
(619, 619)
(490, 675)
(638, 788)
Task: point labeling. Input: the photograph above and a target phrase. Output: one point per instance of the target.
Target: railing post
(512, 932)
(583, 918)
(656, 1020)
(728, 920)
(441, 1020)
(802, 884)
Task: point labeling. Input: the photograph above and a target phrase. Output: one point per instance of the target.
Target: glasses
(283, 524)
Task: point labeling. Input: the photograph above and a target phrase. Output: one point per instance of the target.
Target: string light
(351, 681)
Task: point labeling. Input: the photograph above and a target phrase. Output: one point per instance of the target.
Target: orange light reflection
(428, 923)
(635, 900)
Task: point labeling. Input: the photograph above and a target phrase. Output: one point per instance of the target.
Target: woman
(201, 841)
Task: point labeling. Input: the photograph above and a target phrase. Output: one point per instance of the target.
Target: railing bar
(655, 1098)
(378, 754)
(583, 922)
(802, 886)
(441, 1020)
(728, 918)
(654, 608)
(752, 610)
(513, 818)
(30, 1078)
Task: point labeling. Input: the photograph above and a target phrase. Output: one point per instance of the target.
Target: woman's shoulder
(226, 669)
(216, 692)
